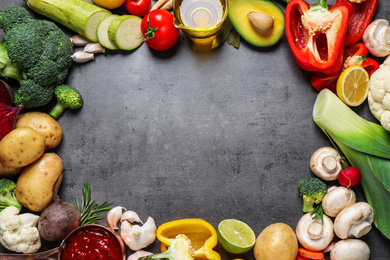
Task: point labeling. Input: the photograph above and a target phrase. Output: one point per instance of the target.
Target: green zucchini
(78, 15)
(126, 32)
(102, 32)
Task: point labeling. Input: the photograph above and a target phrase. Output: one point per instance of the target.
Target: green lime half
(235, 236)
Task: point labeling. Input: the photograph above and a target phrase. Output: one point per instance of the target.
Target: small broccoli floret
(67, 97)
(7, 194)
(33, 50)
(313, 191)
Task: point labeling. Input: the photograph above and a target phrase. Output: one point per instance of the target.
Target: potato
(6, 171)
(43, 124)
(35, 183)
(21, 146)
(277, 241)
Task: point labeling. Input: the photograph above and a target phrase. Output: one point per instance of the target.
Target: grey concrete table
(188, 134)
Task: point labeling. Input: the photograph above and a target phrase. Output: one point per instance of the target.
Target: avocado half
(238, 15)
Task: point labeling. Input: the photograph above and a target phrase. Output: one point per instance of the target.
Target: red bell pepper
(362, 13)
(353, 55)
(316, 34)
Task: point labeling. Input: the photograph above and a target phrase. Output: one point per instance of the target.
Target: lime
(352, 85)
(235, 236)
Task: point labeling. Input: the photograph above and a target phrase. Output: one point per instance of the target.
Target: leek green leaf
(366, 145)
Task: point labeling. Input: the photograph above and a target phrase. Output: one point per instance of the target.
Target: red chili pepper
(353, 55)
(362, 13)
(316, 34)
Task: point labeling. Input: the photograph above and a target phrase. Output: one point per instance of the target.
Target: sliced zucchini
(102, 32)
(126, 32)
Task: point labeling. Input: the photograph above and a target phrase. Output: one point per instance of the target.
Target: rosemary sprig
(90, 211)
(318, 213)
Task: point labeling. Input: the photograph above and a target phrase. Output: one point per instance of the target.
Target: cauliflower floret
(19, 232)
(379, 94)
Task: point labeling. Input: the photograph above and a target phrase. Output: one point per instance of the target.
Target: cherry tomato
(158, 30)
(349, 177)
(138, 7)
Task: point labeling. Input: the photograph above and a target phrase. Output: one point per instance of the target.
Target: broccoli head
(33, 51)
(313, 191)
(67, 97)
(7, 194)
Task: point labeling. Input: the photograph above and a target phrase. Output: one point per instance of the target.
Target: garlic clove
(94, 47)
(79, 40)
(131, 217)
(82, 56)
(137, 237)
(138, 254)
(113, 216)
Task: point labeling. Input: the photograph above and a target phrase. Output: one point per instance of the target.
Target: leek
(366, 145)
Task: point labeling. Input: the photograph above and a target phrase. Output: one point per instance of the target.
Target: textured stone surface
(186, 134)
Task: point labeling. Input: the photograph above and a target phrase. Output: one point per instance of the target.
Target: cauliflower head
(19, 232)
(379, 94)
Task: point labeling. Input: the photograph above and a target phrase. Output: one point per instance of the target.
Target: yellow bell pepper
(202, 234)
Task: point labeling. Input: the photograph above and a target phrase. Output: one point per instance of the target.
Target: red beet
(8, 116)
(6, 94)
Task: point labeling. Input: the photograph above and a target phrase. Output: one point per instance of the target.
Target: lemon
(352, 85)
(235, 236)
(109, 4)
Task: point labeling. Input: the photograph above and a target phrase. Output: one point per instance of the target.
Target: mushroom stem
(329, 163)
(315, 230)
(360, 230)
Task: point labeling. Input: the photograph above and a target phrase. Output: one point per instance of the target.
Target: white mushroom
(325, 163)
(376, 38)
(312, 234)
(350, 249)
(354, 221)
(337, 199)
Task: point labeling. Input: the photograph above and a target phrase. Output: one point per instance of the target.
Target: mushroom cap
(313, 235)
(350, 249)
(325, 163)
(354, 221)
(376, 38)
(337, 199)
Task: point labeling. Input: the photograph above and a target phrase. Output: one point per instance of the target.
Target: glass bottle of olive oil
(199, 18)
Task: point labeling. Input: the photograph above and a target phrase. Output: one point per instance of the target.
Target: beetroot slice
(8, 116)
(6, 94)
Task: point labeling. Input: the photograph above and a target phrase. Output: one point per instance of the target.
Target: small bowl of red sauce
(92, 242)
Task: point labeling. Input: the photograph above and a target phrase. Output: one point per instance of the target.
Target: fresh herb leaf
(89, 209)
(234, 39)
(318, 213)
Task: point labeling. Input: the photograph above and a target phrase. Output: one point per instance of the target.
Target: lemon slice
(235, 236)
(352, 86)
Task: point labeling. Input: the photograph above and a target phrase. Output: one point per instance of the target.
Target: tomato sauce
(91, 243)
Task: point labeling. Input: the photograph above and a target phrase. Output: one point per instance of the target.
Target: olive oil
(201, 14)
(200, 18)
